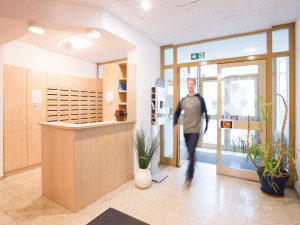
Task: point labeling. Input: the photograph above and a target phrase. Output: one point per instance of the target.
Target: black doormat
(115, 217)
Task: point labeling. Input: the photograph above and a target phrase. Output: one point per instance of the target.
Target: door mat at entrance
(115, 217)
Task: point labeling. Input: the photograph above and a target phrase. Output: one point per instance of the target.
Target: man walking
(194, 107)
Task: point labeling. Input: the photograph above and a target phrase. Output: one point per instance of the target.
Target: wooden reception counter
(83, 162)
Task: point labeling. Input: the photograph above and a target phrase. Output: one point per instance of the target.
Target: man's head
(191, 83)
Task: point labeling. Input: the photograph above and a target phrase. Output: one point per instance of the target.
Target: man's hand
(175, 128)
(204, 132)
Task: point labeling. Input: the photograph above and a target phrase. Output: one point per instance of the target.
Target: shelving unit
(123, 81)
(158, 98)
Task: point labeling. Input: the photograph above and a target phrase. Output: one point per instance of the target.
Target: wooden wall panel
(99, 85)
(36, 112)
(34, 146)
(58, 165)
(65, 81)
(52, 79)
(14, 98)
(15, 150)
(111, 75)
(59, 103)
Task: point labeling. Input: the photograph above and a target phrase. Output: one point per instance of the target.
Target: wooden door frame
(268, 56)
(259, 126)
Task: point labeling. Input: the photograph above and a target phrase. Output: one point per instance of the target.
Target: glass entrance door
(206, 77)
(239, 87)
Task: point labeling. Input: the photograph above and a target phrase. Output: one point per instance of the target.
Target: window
(168, 56)
(233, 47)
(280, 40)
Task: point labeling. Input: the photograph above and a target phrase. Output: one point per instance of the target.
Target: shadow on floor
(41, 206)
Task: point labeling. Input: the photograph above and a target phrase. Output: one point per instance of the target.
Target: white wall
(1, 111)
(146, 56)
(22, 54)
(297, 185)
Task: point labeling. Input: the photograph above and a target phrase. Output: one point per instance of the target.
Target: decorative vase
(120, 118)
(268, 189)
(142, 178)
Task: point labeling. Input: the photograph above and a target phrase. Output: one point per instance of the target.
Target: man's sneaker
(187, 184)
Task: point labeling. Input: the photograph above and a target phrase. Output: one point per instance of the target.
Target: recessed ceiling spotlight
(145, 4)
(36, 27)
(93, 34)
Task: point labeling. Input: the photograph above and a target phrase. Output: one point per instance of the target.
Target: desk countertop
(84, 125)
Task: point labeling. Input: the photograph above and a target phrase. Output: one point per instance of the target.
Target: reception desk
(83, 162)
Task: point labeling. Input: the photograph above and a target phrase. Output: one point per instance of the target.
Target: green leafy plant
(145, 147)
(276, 157)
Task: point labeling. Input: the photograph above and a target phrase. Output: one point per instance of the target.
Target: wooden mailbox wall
(77, 100)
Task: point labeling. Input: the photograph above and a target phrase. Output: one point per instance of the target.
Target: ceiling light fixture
(93, 34)
(145, 4)
(36, 27)
(79, 42)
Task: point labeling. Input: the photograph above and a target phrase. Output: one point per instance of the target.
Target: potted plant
(277, 158)
(120, 115)
(145, 148)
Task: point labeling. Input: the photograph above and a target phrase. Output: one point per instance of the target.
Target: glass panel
(100, 71)
(211, 134)
(168, 127)
(240, 93)
(209, 70)
(193, 72)
(281, 86)
(280, 40)
(233, 47)
(210, 94)
(240, 70)
(234, 152)
(206, 151)
(184, 75)
(183, 148)
(239, 99)
(168, 56)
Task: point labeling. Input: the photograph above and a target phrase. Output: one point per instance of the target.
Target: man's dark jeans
(191, 141)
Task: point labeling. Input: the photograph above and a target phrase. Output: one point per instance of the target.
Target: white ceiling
(181, 21)
(106, 48)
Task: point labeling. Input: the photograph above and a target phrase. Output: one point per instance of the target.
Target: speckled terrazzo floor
(213, 199)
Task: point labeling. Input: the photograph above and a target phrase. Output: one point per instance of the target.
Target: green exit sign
(198, 55)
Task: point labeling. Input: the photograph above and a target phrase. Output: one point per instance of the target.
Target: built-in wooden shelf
(122, 103)
(122, 91)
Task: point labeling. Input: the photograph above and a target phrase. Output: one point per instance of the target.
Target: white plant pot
(142, 178)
